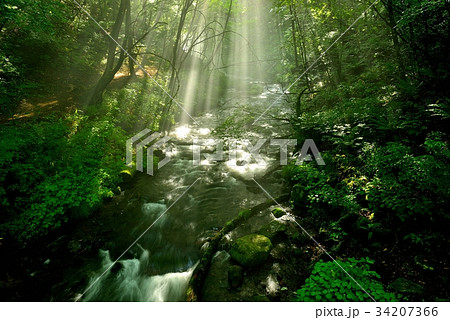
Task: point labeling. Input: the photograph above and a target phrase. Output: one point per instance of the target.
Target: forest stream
(159, 266)
(212, 200)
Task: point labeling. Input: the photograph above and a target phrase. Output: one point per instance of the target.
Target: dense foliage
(328, 282)
(381, 120)
(56, 169)
(368, 84)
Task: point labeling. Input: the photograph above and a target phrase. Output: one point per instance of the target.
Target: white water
(159, 267)
(131, 284)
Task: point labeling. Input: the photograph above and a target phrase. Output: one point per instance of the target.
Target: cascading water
(159, 266)
(128, 282)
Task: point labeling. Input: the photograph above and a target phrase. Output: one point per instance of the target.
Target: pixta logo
(144, 140)
(254, 151)
(150, 150)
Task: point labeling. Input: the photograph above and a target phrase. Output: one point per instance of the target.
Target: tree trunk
(392, 23)
(165, 120)
(130, 48)
(294, 38)
(112, 64)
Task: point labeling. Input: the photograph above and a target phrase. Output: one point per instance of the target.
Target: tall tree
(165, 120)
(113, 64)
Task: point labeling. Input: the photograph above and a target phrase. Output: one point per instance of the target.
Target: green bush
(135, 106)
(10, 85)
(328, 282)
(318, 189)
(55, 170)
(405, 185)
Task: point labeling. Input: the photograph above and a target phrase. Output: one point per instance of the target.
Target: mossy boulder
(273, 229)
(251, 250)
(278, 212)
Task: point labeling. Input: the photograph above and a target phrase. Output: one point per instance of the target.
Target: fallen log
(193, 292)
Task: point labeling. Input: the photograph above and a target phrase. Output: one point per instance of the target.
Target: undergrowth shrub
(328, 282)
(55, 170)
(403, 185)
(318, 189)
(133, 107)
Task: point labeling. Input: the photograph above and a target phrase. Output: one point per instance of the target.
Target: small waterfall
(167, 287)
(127, 281)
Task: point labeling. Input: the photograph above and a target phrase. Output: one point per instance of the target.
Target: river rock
(272, 229)
(235, 276)
(278, 212)
(216, 282)
(279, 251)
(127, 175)
(251, 250)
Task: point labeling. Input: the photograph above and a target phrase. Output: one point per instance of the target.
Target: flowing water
(159, 266)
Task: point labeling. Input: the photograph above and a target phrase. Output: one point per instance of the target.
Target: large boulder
(251, 250)
(216, 282)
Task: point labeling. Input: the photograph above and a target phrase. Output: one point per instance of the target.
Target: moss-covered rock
(235, 276)
(273, 229)
(279, 251)
(251, 250)
(278, 212)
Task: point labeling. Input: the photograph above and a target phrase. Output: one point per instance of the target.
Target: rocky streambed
(261, 255)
